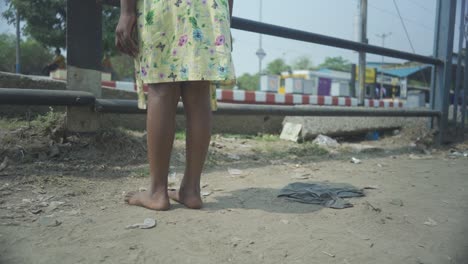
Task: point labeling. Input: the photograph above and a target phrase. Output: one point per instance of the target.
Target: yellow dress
(183, 40)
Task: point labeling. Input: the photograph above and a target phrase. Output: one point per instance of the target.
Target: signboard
(403, 88)
(371, 74)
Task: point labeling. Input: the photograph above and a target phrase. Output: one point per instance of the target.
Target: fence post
(84, 54)
(443, 50)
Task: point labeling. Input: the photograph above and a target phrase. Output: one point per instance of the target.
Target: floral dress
(183, 40)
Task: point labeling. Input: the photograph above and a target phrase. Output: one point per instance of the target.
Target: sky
(328, 17)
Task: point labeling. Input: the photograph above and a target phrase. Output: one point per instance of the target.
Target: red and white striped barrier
(384, 103)
(250, 97)
(255, 97)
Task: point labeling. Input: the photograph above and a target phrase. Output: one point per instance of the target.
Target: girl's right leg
(160, 125)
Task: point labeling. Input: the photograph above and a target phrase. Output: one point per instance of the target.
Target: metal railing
(16, 96)
(89, 36)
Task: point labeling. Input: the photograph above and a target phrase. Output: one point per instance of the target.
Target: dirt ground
(61, 201)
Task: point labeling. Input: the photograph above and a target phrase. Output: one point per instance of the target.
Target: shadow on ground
(264, 199)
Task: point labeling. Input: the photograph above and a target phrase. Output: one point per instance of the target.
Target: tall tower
(260, 52)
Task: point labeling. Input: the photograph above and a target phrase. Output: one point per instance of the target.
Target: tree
(302, 63)
(46, 21)
(34, 56)
(248, 82)
(123, 67)
(276, 67)
(336, 63)
(7, 54)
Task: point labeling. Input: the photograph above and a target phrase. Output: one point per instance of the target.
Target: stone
(49, 221)
(291, 131)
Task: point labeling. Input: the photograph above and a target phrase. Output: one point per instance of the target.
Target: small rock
(291, 131)
(355, 161)
(397, 202)
(36, 211)
(323, 140)
(103, 208)
(235, 241)
(234, 156)
(430, 222)
(73, 212)
(284, 221)
(49, 221)
(142, 189)
(4, 164)
(54, 151)
(147, 224)
(235, 172)
(54, 205)
(205, 194)
(328, 254)
(26, 201)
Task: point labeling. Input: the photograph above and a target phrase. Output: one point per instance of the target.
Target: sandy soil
(62, 202)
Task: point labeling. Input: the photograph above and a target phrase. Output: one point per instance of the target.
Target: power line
(404, 26)
(421, 6)
(415, 22)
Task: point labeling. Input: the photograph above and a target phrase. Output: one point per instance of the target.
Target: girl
(180, 48)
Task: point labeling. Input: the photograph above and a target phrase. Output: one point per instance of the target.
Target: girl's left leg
(197, 106)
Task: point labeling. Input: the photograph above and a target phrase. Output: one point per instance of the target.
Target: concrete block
(81, 119)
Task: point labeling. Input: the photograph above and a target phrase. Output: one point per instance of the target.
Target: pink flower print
(174, 52)
(220, 40)
(203, 2)
(161, 75)
(212, 51)
(189, 2)
(183, 40)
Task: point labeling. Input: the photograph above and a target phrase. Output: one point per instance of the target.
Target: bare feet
(154, 201)
(191, 200)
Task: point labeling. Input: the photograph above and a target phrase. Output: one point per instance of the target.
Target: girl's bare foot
(191, 200)
(158, 201)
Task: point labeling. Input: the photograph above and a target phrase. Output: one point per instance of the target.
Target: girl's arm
(126, 27)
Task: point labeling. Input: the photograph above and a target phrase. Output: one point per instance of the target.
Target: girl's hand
(124, 33)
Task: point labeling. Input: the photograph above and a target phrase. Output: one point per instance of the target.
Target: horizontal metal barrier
(289, 33)
(130, 107)
(15, 96)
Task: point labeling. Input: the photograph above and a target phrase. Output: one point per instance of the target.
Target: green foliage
(180, 135)
(49, 122)
(7, 52)
(248, 82)
(34, 56)
(277, 66)
(46, 21)
(336, 63)
(110, 18)
(303, 63)
(123, 66)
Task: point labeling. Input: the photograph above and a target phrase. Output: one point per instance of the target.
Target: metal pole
(362, 55)
(18, 40)
(459, 66)
(443, 49)
(383, 36)
(465, 82)
(130, 107)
